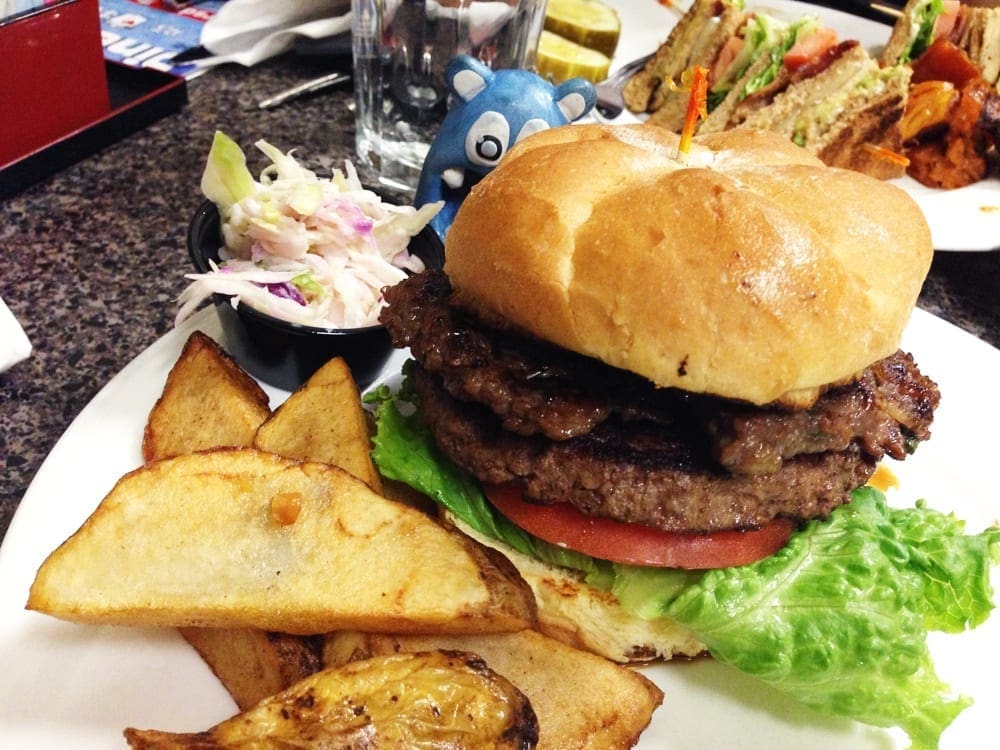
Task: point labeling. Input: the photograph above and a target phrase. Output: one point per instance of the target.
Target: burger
(659, 381)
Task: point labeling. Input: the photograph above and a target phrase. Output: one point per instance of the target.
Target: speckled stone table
(94, 257)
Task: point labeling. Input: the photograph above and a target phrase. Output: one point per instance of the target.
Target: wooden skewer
(887, 9)
(672, 5)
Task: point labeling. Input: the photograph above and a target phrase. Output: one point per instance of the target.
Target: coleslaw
(312, 251)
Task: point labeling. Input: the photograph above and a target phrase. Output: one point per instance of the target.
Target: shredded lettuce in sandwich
(307, 250)
(760, 34)
(838, 619)
(796, 31)
(922, 20)
(763, 35)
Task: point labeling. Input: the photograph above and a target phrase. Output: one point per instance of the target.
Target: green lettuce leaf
(760, 33)
(923, 20)
(404, 451)
(798, 30)
(226, 179)
(838, 619)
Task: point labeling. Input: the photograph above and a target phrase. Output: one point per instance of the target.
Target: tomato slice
(635, 544)
(725, 58)
(810, 47)
(946, 22)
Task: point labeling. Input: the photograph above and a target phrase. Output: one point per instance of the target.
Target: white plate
(65, 685)
(965, 219)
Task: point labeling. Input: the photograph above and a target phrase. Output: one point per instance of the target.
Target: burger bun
(572, 611)
(747, 269)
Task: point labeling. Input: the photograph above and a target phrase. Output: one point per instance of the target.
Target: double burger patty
(637, 472)
(569, 428)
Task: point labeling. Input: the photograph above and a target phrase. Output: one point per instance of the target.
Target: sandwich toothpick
(670, 4)
(695, 81)
(886, 9)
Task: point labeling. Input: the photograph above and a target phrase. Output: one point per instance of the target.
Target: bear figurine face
(490, 112)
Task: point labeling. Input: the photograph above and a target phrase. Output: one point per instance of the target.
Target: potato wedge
(244, 538)
(323, 421)
(429, 700)
(254, 664)
(581, 700)
(208, 401)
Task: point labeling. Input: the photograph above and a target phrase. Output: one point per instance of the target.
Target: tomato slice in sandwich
(635, 544)
(810, 47)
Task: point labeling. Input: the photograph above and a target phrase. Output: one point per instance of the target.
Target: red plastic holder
(52, 76)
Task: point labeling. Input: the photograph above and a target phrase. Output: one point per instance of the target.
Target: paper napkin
(248, 31)
(14, 343)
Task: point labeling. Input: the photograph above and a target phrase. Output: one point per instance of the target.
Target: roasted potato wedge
(323, 421)
(243, 538)
(208, 401)
(254, 664)
(582, 701)
(427, 700)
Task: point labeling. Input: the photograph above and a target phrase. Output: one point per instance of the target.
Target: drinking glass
(401, 48)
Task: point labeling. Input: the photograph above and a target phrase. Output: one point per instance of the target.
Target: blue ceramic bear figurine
(491, 110)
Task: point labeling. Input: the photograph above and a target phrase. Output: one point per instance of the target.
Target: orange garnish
(889, 155)
(694, 80)
(883, 478)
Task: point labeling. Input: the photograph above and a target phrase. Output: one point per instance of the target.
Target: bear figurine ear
(467, 77)
(575, 98)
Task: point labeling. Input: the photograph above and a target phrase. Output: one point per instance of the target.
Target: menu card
(150, 33)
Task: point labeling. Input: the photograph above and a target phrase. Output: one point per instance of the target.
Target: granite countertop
(95, 256)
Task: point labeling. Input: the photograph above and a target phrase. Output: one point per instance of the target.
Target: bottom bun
(572, 611)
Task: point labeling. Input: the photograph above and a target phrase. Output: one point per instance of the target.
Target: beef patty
(637, 472)
(558, 423)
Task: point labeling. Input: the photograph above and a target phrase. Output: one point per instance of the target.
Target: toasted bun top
(752, 271)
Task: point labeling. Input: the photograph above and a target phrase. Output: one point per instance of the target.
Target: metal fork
(609, 91)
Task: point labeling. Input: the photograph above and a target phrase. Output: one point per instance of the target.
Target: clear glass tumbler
(401, 48)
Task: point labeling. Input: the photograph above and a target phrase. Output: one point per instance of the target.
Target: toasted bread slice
(696, 39)
(722, 117)
(669, 106)
(323, 421)
(208, 401)
(606, 710)
(976, 31)
(866, 137)
(903, 32)
(427, 700)
(787, 108)
(979, 36)
(847, 115)
(244, 538)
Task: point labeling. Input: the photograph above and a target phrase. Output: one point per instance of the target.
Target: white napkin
(14, 344)
(248, 31)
